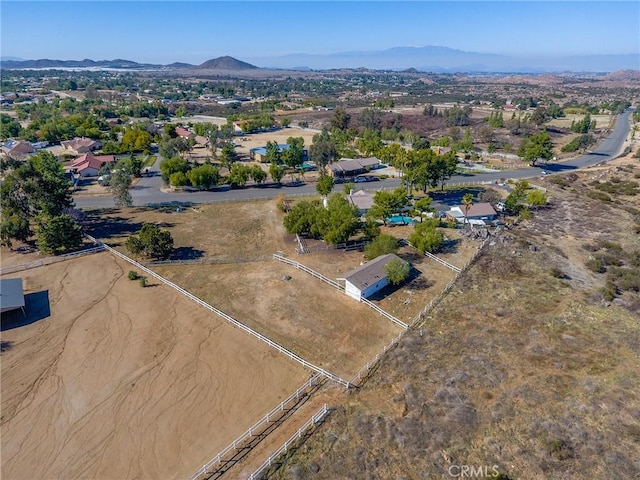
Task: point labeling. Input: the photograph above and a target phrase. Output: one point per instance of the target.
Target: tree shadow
(390, 289)
(454, 197)
(450, 245)
(186, 253)
(5, 346)
(37, 307)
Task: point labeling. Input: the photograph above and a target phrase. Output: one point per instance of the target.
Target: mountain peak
(226, 63)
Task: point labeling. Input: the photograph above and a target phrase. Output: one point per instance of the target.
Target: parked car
(360, 180)
(546, 172)
(374, 179)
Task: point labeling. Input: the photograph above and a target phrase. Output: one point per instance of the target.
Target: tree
(277, 172)
(370, 142)
(302, 219)
(324, 185)
(178, 179)
(29, 190)
(57, 234)
(204, 176)
(397, 271)
(339, 220)
(323, 150)
(426, 237)
(258, 174)
(467, 202)
(423, 205)
(151, 242)
(293, 156)
(173, 165)
(381, 245)
(274, 154)
(239, 175)
(371, 118)
(340, 119)
(387, 203)
(537, 147)
(119, 184)
(228, 155)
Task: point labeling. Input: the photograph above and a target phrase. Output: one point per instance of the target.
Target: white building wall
(351, 290)
(371, 289)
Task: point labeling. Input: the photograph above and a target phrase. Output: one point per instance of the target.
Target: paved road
(147, 191)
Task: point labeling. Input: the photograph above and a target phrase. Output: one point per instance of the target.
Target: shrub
(557, 273)
(596, 195)
(595, 265)
(381, 245)
(133, 275)
(143, 282)
(609, 291)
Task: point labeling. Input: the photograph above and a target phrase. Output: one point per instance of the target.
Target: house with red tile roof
(89, 165)
(183, 132)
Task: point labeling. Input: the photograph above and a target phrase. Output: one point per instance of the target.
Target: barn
(11, 295)
(367, 279)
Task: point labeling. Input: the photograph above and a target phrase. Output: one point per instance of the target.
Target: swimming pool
(400, 219)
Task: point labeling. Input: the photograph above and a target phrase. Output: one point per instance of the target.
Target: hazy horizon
(193, 32)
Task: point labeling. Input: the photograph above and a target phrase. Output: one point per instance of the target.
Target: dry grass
(518, 367)
(303, 314)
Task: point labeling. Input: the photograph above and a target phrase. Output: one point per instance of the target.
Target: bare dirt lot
(113, 380)
(303, 314)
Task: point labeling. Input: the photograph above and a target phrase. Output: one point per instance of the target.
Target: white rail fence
(384, 313)
(293, 440)
(302, 245)
(231, 320)
(337, 286)
(443, 262)
(306, 269)
(259, 427)
(50, 260)
(364, 371)
(206, 261)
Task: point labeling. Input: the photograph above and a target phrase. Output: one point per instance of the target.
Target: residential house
(478, 214)
(362, 200)
(364, 281)
(89, 165)
(346, 167)
(184, 133)
(17, 148)
(81, 145)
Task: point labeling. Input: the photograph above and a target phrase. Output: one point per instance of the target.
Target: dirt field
(120, 381)
(303, 314)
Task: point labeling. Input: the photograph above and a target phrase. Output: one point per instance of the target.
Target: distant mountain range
(424, 59)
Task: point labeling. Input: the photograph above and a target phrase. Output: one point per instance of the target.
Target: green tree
(228, 155)
(258, 174)
(276, 171)
(386, 203)
(426, 237)
(381, 245)
(339, 220)
(370, 142)
(274, 155)
(29, 190)
(178, 179)
(172, 165)
(239, 175)
(323, 150)
(397, 271)
(302, 219)
(293, 156)
(340, 119)
(57, 234)
(324, 185)
(119, 185)
(204, 176)
(151, 242)
(537, 147)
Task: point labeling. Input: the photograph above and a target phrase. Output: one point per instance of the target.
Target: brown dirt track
(122, 381)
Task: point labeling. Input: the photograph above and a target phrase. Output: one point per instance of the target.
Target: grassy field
(525, 365)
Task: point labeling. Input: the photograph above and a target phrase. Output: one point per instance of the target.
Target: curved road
(147, 191)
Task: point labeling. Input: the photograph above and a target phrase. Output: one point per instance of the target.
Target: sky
(195, 31)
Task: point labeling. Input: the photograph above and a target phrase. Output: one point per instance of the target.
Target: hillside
(226, 63)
